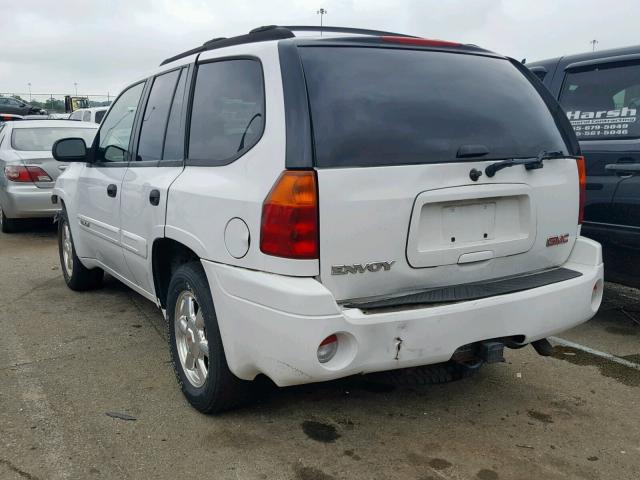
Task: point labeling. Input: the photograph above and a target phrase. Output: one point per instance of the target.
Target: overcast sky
(103, 45)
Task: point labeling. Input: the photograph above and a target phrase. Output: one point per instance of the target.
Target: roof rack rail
(261, 34)
(273, 32)
(356, 31)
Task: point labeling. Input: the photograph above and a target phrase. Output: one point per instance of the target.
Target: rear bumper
(273, 324)
(27, 201)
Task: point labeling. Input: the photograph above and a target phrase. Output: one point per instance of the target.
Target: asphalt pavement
(87, 392)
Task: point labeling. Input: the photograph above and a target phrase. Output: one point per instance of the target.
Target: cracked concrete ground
(66, 359)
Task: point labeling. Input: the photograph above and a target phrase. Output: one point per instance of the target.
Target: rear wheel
(7, 225)
(76, 275)
(196, 346)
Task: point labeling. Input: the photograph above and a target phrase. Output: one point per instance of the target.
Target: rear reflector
(19, 173)
(328, 348)
(290, 217)
(425, 42)
(582, 179)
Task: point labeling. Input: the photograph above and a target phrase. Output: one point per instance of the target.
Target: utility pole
(75, 84)
(593, 44)
(29, 91)
(322, 12)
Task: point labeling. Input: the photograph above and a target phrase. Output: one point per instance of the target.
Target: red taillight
(425, 42)
(18, 173)
(582, 179)
(290, 216)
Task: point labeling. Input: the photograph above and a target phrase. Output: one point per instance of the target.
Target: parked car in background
(59, 116)
(18, 107)
(404, 226)
(600, 94)
(94, 114)
(27, 168)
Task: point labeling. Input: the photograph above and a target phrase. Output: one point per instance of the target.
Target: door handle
(112, 190)
(154, 197)
(623, 168)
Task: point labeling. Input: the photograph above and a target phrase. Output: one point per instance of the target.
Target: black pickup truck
(600, 92)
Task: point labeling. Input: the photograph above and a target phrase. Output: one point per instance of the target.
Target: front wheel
(196, 347)
(76, 275)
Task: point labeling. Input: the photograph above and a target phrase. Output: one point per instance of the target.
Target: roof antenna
(322, 12)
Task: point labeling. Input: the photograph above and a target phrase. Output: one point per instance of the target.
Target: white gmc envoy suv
(312, 207)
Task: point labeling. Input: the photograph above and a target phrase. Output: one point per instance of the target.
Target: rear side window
(156, 114)
(86, 117)
(227, 117)
(602, 103)
(375, 106)
(174, 139)
(100, 115)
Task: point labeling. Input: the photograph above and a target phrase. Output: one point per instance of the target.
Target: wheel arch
(167, 255)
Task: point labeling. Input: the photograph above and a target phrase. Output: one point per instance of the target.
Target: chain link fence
(54, 102)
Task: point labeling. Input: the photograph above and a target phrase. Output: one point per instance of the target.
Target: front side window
(115, 131)
(227, 118)
(156, 114)
(42, 138)
(603, 102)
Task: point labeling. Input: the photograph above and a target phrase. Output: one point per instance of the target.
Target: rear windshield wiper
(531, 163)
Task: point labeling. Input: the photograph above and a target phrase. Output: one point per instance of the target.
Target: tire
(7, 225)
(201, 368)
(430, 374)
(76, 275)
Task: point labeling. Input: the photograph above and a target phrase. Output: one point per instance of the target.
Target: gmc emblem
(557, 240)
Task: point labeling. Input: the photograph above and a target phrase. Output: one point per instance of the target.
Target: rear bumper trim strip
(470, 291)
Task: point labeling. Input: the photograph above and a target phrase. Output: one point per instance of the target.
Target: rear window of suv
(376, 106)
(602, 102)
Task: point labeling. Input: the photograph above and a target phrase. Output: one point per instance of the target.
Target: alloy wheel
(191, 339)
(67, 250)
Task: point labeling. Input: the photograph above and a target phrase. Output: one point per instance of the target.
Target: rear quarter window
(228, 112)
(376, 106)
(602, 102)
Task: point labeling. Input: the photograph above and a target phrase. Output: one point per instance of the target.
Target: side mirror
(70, 150)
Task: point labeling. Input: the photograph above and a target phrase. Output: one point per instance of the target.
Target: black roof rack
(357, 31)
(273, 32)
